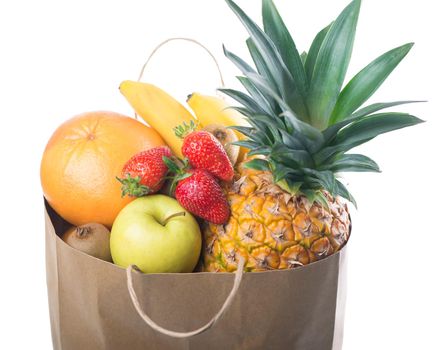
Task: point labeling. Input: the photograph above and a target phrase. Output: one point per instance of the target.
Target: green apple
(156, 234)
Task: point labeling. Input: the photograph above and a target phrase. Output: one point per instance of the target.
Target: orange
(82, 159)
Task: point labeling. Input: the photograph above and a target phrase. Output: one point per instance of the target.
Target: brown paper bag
(91, 307)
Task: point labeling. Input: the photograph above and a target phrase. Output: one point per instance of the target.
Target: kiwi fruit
(92, 239)
(226, 137)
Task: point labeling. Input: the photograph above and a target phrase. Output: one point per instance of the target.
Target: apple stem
(181, 213)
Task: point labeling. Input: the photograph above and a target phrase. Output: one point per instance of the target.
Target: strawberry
(204, 151)
(145, 172)
(199, 192)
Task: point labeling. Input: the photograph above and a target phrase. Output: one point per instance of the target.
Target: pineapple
(288, 206)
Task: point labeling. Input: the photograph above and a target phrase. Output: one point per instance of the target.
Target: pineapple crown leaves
(303, 120)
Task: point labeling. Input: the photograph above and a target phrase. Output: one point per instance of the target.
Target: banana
(160, 110)
(214, 110)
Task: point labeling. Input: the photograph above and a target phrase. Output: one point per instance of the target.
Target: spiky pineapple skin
(272, 229)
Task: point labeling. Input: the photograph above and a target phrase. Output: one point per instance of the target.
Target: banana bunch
(163, 113)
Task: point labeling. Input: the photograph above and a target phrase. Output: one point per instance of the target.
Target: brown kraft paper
(91, 309)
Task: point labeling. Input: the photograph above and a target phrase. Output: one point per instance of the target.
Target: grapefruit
(82, 159)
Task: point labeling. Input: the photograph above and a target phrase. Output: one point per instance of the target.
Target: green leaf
(238, 62)
(263, 102)
(260, 133)
(261, 65)
(361, 131)
(374, 125)
(132, 187)
(330, 133)
(292, 142)
(279, 171)
(325, 178)
(319, 197)
(295, 159)
(343, 192)
(262, 85)
(242, 110)
(171, 165)
(253, 119)
(377, 107)
(245, 130)
(246, 144)
(254, 134)
(331, 65)
(292, 188)
(257, 164)
(354, 163)
(314, 51)
(366, 82)
(272, 59)
(310, 194)
(273, 123)
(276, 29)
(303, 57)
(182, 176)
(264, 151)
(311, 137)
(327, 154)
(182, 130)
(332, 130)
(243, 99)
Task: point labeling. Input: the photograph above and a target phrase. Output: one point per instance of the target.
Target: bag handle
(190, 40)
(237, 280)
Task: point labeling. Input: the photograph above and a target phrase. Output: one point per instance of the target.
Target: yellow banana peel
(158, 109)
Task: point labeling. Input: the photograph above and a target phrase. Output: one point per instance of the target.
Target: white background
(60, 58)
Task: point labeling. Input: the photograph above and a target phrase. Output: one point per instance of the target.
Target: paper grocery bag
(91, 307)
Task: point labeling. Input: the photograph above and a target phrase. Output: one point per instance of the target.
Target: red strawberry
(201, 194)
(145, 172)
(204, 151)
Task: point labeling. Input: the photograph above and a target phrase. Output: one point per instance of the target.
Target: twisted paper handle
(160, 45)
(237, 280)
(190, 40)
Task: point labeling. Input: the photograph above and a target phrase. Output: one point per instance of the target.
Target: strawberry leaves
(182, 130)
(144, 173)
(132, 187)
